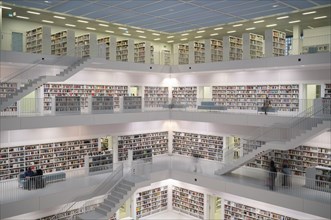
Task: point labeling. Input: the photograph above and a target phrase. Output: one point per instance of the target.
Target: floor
(168, 215)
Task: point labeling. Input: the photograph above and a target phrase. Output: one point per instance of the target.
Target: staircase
(35, 83)
(114, 200)
(299, 131)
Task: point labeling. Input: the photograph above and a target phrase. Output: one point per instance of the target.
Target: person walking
(272, 175)
(266, 105)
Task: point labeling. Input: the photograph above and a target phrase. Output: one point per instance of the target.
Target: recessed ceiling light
(170, 41)
(183, 39)
(90, 28)
(122, 28)
(108, 31)
(59, 17)
(275, 6)
(70, 25)
(321, 17)
(288, 30)
(219, 28)
(104, 25)
(157, 39)
(22, 17)
(201, 31)
(33, 12)
(292, 22)
(142, 36)
(4, 7)
(46, 1)
(271, 25)
(126, 34)
(260, 21)
(140, 31)
(309, 13)
(230, 32)
(170, 36)
(82, 21)
(156, 34)
(251, 28)
(310, 27)
(185, 34)
(214, 34)
(198, 37)
(237, 25)
(47, 21)
(283, 17)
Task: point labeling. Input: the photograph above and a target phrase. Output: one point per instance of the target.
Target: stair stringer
(276, 145)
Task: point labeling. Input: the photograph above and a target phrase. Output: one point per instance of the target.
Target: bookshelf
(250, 145)
(157, 140)
(188, 201)
(166, 57)
(83, 91)
(206, 146)
(322, 48)
(275, 43)
(155, 97)
(63, 43)
(327, 90)
(319, 178)
(38, 40)
(151, 201)
(232, 48)
(125, 50)
(142, 54)
(86, 45)
(101, 104)
(100, 160)
(50, 157)
(185, 96)
(143, 154)
(66, 104)
(7, 89)
(196, 52)
(131, 103)
(105, 41)
(250, 97)
(216, 50)
(252, 46)
(183, 54)
(234, 210)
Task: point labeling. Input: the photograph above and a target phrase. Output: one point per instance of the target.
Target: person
(272, 175)
(196, 161)
(266, 105)
(286, 174)
(40, 183)
(28, 175)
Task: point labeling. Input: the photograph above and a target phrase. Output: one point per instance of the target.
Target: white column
(296, 44)
(175, 54)
(70, 43)
(86, 165)
(246, 46)
(112, 48)
(191, 50)
(115, 149)
(130, 50)
(147, 52)
(207, 43)
(226, 48)
(269, 47)
(170, 139)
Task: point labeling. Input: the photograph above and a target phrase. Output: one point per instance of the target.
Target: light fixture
(33, 12)
(183, 39)
(122, 28)
(283, 17)
(309, 13)
(271, 25)
(219, 28)
(185, 34)
(237, 25)
(59, 17)
(70, 25)
(251, 28)
(157, 39)
(198, 37)
(127, 34)
(170, 41)
(214, 34)
(90, 28)
(140, 31)
(82, 21)
(288, 30)
(310, 27)
(47, 21)
(108, 31)
(259, 21)
(321, 17)
(201, 31)
(275, 6)
(292, 22)
(142, 36)
(156, 34)
(22, 17)
(5, 7)
(229, 32)
(170, 36)
(104, 25)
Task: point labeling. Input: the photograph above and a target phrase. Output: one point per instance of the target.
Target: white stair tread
(92, 215)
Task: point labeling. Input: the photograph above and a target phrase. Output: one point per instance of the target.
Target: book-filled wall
(7, 89)
(204, 146)
(155, 97)
(185, 96)
(157, 141)
(100, 160)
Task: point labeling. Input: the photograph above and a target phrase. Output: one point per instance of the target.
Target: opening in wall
(313, 91)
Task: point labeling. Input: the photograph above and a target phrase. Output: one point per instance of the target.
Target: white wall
(317, 36)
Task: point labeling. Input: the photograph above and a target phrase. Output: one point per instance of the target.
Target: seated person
(29, 172)
(29, 180)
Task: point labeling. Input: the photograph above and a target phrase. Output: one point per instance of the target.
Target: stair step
(92, 215)
(126, 182)
(102, 211)
(116, 194)
(124, 187)
(113, 198)
(120, 190)
(110, 202)
(107, 207)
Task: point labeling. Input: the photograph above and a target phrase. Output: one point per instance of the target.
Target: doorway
(313, 91)
(17, 41)
(215, 207)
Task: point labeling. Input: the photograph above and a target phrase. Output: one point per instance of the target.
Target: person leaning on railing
(28, 175)
(272, 175)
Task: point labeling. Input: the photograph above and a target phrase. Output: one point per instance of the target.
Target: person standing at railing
(266, 105)
(286, 174)
(272, 175)
(28, 175)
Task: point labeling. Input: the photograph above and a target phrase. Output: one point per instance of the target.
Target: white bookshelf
(166, 57)
(38, 40)
(232, 48)
(216, 50)
(49, 157)
(188, 201)
(327, 90)
(130, 103)
(101, 104)
(7, 89)
(183, 54)
(155, 97)
(63, 43)
(234, 210)
(196, 52)
(99, 160)
(275, 43)
(151, 201)
(86, 45)
(158, 141)
(106, 42)
(205, 146)
(125, 50)
(252, 46)
(66, 104)
(185, 96)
